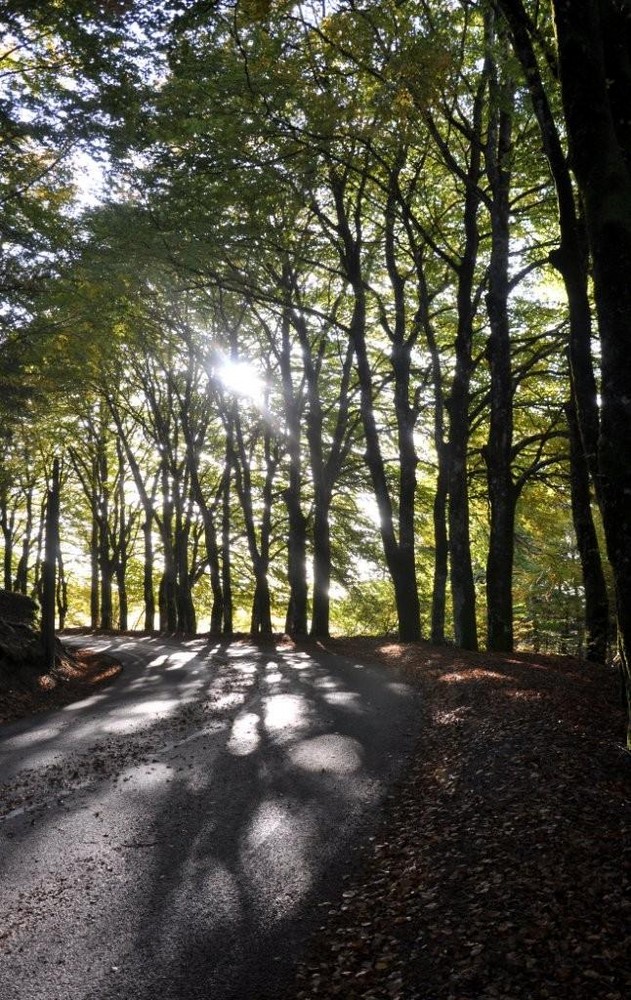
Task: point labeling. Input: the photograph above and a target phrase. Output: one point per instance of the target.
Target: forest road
(178, 834)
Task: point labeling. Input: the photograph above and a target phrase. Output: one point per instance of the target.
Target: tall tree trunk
(323, 473)
(296, 619)
(441, 554)
(498, 450)
(571, 257)
(36, 590)
(95, 605)
(148, 504)
(123, 602)
(147, 575)
(106, 576)
(400, 562)
(51, 548)
(320, 614)
(122, 522)
(7, 523)
(594, 586)
(462, 582)
(21, 573)
(168, 582)
(226, 555)
(103, 507)
(403, 341)
(596, 91)
(439, 507)
(184, 599)
(62, 590)
(210, 532)
(261, 617)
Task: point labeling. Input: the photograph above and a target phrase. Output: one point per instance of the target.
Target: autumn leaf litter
(501, 867)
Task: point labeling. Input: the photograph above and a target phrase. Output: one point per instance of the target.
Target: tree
(595, 88)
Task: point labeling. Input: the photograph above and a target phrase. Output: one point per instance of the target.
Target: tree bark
(168, 582)
(296, 617)
(7, 519)
(399, 558)
(498, 451)
(226, 520)
(462, 583)
(21, 573)
(596, 602)
(49, 575)
(595, 86)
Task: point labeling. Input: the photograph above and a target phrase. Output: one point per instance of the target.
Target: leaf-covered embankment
(502, 866)
(26, 685)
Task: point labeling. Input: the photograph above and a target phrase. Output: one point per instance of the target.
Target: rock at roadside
(20, 644)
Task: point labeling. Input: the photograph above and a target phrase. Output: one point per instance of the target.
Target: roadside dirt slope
(502, 866)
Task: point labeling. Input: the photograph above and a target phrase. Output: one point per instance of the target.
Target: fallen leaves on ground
(76, 675)
(501, 869)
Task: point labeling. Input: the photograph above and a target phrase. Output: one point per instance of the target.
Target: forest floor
(76, 675)
(501, 870)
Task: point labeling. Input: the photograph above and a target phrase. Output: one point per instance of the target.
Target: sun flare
(241, 378)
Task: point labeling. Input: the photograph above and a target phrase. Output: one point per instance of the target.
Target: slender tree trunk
(439, 511)
(402, 572)
(94, 571)
(323, 473)
(147, 574)
(51, 548)
(401, 568)
(263, 599)
(7, 523)
(62, 590)
(261, 617)
(571, 258)
(226, 555)
(21, 573)
(296, 619)
(399, 559)
(594, 586)
(122, 534)
(462, 582)
(441, 556)
(403, 341)
(168, 583)
(105, 562)
(210, 534)
(36, 592)
(320, 615)
(498, 451)
(183, 597)
(106, 577)
(147, 501)
(123, 603)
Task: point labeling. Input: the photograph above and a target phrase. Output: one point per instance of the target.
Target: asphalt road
(178, 834)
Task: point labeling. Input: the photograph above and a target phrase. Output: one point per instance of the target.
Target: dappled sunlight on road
(267, 819)
(201, 803)
(331, 753)
(284, 711)
(244, 738)
(349, 700)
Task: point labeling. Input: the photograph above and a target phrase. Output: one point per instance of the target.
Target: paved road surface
(176, 835)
